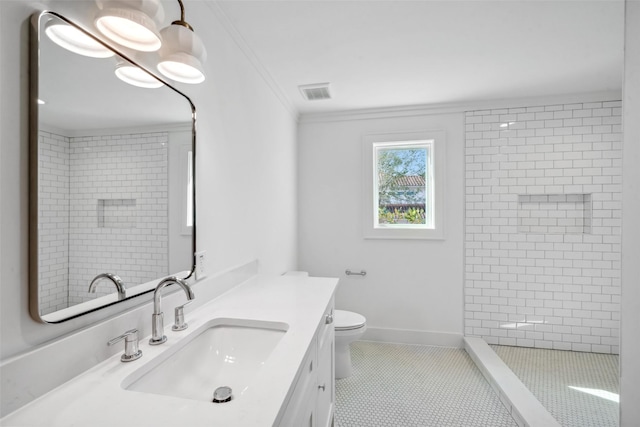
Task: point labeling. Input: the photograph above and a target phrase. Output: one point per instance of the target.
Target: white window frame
(371, 230)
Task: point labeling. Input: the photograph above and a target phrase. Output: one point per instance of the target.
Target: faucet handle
(131, 350)
(179, 323)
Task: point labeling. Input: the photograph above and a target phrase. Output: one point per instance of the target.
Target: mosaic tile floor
(395, 385)
(578, 389)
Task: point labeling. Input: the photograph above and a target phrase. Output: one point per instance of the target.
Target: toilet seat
(347, 320)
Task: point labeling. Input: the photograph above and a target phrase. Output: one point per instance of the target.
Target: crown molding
(458, 107)
(78, 133)
(225, 21)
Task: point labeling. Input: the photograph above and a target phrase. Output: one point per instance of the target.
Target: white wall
(412, 286)
(246, 159)
(246, 169)
(630, 321)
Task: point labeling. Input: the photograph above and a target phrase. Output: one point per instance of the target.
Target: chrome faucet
(157, 319)
(114, 278)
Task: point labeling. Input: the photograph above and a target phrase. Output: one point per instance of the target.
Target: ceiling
(375, 54)
(379, 54)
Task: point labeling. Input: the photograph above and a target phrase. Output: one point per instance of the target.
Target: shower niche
(554, 213)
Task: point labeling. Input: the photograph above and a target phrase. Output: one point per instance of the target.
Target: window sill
(402, 234)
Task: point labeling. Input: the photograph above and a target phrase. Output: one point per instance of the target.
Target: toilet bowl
(349, 327)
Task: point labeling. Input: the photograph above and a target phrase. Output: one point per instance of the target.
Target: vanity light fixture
(136, 76)
(131, 23)
(74, 40)
(182, 52)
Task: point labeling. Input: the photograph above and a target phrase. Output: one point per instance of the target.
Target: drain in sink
(222, 394)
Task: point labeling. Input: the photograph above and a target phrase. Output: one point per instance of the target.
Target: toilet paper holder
(355, 273)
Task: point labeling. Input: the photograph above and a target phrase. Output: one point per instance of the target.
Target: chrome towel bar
(355, 273)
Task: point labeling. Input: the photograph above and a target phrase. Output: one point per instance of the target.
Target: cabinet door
(326, 376)
(301, 408)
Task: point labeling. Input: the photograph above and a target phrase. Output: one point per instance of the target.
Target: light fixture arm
(182, 52)
(181, 10)
(182, 21)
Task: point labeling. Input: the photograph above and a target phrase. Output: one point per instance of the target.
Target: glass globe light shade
(74, 40)
(182, 55)
(136, 76)
(133, 24)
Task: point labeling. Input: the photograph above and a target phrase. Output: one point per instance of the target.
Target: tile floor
(397, 385)
(551, 374)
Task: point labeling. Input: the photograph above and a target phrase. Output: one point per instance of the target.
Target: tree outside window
(402, 171)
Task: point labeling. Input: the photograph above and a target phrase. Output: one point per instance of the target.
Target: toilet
(349, 327)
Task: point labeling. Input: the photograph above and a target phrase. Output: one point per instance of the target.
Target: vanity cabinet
(312, 402)
(325, 403)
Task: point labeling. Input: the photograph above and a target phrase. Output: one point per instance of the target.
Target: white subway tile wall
(542, 226)
(53, 230)
(117, 214)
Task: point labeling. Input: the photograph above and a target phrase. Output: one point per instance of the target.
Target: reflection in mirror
(111, 166)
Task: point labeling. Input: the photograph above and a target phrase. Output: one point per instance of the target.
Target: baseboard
(408, 336)
(523, 406)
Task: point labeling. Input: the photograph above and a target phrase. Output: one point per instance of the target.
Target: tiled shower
(542, 226)
(104, 185)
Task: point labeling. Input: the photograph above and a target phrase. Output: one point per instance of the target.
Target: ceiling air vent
(316, 91)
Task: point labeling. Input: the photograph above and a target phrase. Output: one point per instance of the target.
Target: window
(402, 177)
(403, 184)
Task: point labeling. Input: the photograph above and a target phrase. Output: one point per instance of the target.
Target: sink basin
(223, 352)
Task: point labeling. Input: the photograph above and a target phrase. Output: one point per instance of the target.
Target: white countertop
(96, 398)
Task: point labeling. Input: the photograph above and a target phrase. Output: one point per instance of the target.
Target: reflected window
(186, 188)
(189, 220)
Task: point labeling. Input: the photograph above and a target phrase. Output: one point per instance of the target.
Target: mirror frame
(35, 34)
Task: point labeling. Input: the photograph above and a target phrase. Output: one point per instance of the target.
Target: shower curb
(523, 406)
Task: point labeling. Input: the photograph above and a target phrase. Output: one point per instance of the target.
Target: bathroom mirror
(112, 179)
